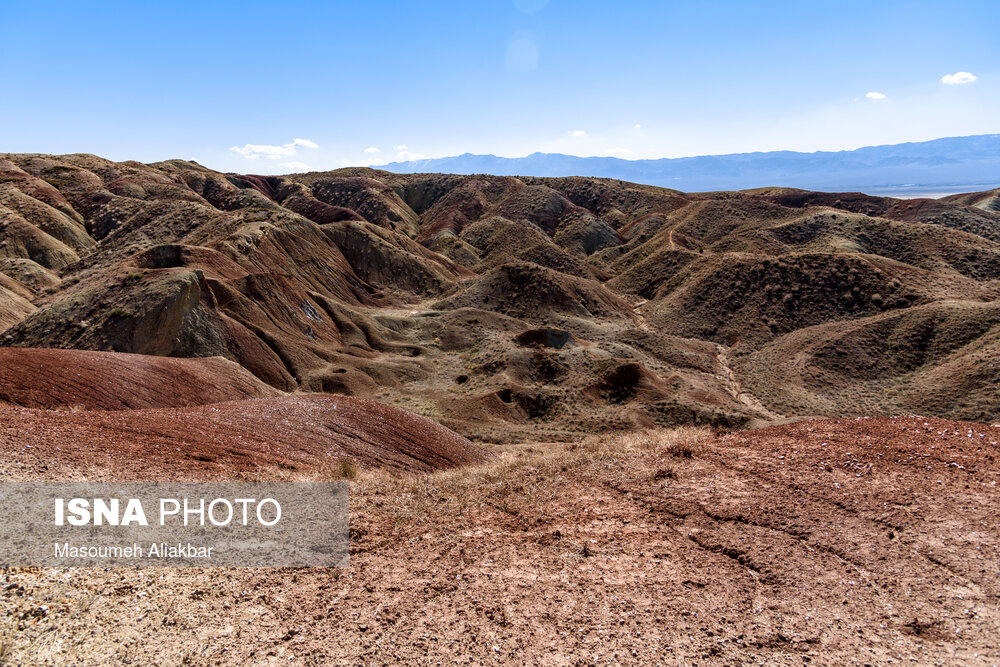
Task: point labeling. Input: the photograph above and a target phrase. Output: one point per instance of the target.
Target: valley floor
(823, 542)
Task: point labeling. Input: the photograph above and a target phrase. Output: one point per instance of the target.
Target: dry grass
(681, 450)
(522, 476)
(520, 482)
(346, 470)
(6, 646)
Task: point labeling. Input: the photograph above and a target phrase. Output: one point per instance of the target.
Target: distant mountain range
(949, 164)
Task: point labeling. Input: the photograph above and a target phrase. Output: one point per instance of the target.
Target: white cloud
(618, 151)
(295, 166)
(958, 78)
(407, 156)
(254, 151)
(372, 149)
(577, 133)
(875, 96)
(403, 154)
(637, 127)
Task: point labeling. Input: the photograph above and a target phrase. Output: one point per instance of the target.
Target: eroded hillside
(506, 306)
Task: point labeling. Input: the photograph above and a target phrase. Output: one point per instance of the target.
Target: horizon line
(680, 157)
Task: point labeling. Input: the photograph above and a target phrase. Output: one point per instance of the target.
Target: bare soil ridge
(418, 290)
(312, 435)
(81, 379)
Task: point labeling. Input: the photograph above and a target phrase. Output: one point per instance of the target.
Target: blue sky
(275, 87)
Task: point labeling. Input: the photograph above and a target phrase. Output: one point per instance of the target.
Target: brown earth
(823, 542)
(80, 379)
(416, 290)
(238, 440)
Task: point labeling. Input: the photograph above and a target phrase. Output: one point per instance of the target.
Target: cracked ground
(822, 542)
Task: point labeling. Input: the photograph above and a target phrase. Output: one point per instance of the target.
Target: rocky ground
(862, 541)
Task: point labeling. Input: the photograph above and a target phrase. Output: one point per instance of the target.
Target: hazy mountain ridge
(940, 162)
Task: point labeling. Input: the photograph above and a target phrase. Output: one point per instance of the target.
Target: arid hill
(511, 308)
(311, 436)
(168, 322)
(82, 380)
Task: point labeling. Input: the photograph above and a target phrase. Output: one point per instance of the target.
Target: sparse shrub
(681, 450)
(122, 313)
(341, 470)
(346, 470)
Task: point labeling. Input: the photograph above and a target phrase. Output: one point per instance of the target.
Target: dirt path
(732, 385)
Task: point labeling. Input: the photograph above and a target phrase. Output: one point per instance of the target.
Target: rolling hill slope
(506, 306)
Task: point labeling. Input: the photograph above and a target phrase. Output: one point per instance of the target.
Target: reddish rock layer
(308, 434)
(51, 378)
